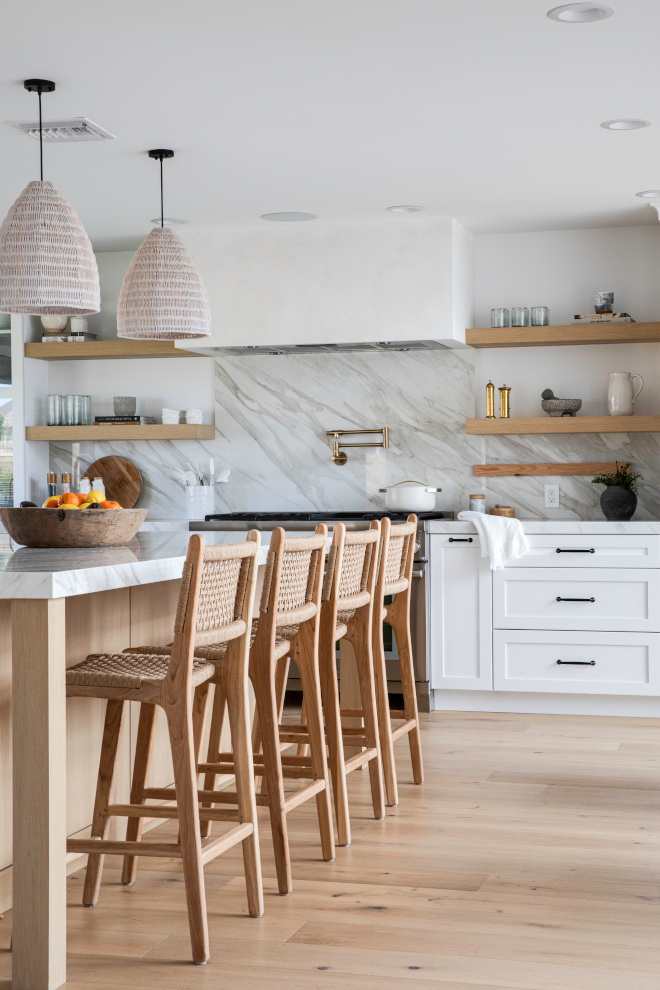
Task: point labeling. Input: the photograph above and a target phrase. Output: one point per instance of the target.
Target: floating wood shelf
(95, 350)
(125, 431)
(529, 470)
(564, 424)
(589, 333)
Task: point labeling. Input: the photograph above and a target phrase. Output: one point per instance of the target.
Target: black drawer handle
(460, 539)
(559, 599)
(575, 550)
(580, 663)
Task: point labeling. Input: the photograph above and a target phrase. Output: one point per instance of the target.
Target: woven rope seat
(129, 670)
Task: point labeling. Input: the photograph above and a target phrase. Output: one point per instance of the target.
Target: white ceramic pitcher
(621, 393)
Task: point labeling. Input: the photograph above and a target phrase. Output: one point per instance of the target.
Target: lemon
(85, 505)
(95, 496)
(67, 505)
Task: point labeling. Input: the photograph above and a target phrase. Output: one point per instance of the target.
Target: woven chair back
(216, 586)
(350, 570)
(396, 555)
(292, 578)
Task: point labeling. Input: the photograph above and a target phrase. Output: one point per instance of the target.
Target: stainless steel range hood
(381, 345)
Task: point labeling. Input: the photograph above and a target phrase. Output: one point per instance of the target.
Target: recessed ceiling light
(405, 209)
(625, 124)
(579, 13)
(167, 221)
(649, 194)
(288, 217)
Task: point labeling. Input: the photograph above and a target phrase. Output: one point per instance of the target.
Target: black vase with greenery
(619, 500)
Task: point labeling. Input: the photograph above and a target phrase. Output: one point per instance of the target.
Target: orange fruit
(69, 498)
(52, 502)
(110, 504)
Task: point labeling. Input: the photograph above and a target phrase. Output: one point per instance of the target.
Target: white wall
(562, 270)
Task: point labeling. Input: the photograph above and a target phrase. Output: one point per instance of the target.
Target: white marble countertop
(148, 558)
(537, 527)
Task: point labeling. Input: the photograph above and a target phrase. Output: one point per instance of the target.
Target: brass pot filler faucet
(337, 454)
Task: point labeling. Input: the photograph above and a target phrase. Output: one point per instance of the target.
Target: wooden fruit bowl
(72, 527)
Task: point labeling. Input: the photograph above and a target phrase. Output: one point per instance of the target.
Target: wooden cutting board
(122, 480)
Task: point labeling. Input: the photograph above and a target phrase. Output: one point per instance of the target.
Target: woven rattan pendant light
(47, 265)
(162, 296)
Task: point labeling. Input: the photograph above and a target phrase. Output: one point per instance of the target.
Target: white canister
(621, 393)
(477, 503)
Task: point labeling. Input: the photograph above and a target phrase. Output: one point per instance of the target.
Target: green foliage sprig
(622, 478)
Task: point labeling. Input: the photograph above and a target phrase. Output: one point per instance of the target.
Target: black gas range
(304, 521)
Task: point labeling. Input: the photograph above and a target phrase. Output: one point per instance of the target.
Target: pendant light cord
(162, 218)
(41, 139)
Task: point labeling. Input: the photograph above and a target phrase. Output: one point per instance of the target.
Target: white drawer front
(539, 598)
(602, 663)
(618, 550)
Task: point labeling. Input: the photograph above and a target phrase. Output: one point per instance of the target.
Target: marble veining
(271, 414)
(149, 558)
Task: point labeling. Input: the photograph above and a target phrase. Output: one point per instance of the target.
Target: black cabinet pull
(580, 663)
(576, 550)
(460, 539)
(575, 599)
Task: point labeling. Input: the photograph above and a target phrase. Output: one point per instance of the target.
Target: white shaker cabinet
(460, 619)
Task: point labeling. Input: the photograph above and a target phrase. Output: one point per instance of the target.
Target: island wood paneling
(107, 621)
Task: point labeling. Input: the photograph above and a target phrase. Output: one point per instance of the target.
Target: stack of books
(140, 420)
(66, 338)
(603, 318)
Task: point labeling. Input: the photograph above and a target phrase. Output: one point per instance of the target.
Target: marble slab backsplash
(272, 411)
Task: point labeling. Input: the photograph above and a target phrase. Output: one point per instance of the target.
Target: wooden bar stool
(215, 605)
(395, 578)
(347, 612)
(288, 625)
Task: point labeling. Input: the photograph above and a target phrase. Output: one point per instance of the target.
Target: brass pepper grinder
(490, 401)
(504, 401)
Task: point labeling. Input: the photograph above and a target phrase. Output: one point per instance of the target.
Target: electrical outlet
(551, 493)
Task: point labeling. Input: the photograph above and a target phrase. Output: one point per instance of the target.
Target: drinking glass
(86, 410)
(540, 316)
(499, 317)
(519, 316)
(55, 415)
(74, 410)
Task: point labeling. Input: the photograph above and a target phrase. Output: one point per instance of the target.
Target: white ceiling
(484, 110)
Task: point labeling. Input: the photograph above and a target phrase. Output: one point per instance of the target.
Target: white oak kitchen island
(57, 606)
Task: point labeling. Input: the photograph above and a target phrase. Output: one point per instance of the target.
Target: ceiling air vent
(71, 129)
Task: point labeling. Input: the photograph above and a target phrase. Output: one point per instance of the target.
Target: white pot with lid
(410, 496)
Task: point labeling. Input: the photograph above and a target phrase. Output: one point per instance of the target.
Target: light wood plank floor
(530, 860)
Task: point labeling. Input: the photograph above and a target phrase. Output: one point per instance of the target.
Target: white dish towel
(501, 538)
